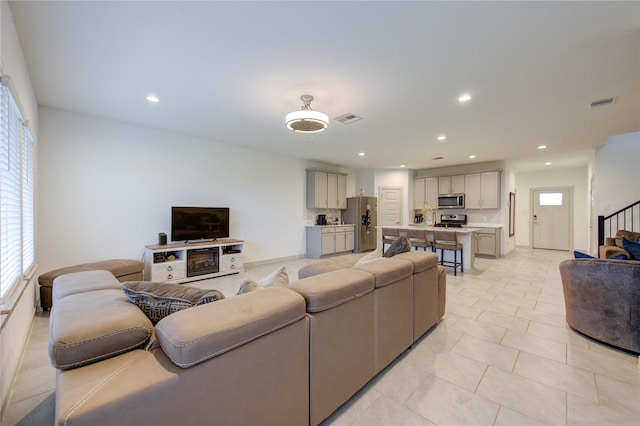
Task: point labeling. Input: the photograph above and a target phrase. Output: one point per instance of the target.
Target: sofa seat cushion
(91, 326)
(322, 292)
(388, 270)
(194, 335)
(158, 300)
(81, 282)
(421, 260)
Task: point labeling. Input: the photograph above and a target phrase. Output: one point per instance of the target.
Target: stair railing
(627, 218)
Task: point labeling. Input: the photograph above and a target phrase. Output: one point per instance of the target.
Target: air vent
(347, 118)
(438, 158)
(602, 102)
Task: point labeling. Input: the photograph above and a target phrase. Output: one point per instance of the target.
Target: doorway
(390, 206)
(551, 219)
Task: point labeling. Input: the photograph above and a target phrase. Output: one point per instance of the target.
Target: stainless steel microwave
(451, 201)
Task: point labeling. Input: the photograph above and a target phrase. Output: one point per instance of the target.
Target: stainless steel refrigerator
(363, 212)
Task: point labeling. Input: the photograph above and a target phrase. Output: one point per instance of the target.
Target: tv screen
(199, 223)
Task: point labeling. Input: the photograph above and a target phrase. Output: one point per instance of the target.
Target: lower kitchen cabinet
(330, 239)
(487, 242)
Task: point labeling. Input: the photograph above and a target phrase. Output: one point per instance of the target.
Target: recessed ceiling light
(361, 154)
(153, 99)
(548, 163)
(442, 137)
(472, 156)
(464, 98)
(542, 146)
(402, 166)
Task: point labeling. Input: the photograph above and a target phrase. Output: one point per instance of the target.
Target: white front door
(551, 220)
(390, 208)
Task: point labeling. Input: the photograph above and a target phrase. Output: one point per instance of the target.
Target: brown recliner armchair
(613, 246)
(602, 300)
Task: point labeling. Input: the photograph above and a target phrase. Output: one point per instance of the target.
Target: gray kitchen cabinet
(326, 190)
(487, 242)
(482, 190)
(451, 184)
(327, 240)
(425, 191)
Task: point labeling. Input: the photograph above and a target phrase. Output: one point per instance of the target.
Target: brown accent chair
(613, 245)
(602, 300)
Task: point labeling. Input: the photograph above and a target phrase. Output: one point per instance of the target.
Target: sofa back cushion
(325, 291)
(387, 270)
(197, 334)
(422, 260)
(91, 326)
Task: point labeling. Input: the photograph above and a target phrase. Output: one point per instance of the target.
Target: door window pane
(551, 199)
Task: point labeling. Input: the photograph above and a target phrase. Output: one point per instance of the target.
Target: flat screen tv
(199, 223)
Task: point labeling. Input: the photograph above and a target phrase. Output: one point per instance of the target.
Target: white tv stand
(185, 262)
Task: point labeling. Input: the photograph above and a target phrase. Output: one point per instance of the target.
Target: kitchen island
(466, 237)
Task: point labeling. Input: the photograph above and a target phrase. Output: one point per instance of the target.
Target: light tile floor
(502, 355)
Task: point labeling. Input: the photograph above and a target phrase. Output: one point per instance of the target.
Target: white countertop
(484, 225)
(328, 226)
(467, 230)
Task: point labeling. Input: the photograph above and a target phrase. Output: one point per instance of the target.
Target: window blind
(28, 234)
(17, 150)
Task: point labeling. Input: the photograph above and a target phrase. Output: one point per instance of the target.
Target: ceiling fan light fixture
(306, 120)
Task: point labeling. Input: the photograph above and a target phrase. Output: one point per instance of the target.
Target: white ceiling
(230, 71)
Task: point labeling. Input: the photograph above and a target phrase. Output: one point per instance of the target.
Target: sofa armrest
(609, 251)
(194, 335)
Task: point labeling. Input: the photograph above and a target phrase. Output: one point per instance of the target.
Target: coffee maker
(321, 219)
(418, 218)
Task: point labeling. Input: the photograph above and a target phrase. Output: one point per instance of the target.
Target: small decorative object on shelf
(428, 215)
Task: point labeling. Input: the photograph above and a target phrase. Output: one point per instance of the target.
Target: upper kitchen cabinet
(425, 191)
(482, 190)
(451, 184)
(326, 190)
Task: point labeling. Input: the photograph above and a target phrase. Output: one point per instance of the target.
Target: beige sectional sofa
(285, 356)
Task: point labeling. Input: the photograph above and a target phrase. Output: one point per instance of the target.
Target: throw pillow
(580, 255)
(374, 255)
(278, 278)
(157, 300)
(632, 247)
(248, 285)
(619, 257)
(400, 245)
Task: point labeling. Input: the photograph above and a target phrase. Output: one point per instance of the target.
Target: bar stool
(418, 238)
(389, 235)
(448, 240)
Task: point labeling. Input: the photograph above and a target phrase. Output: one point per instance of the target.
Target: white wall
(365, 183)
(616, 177)
(576, 178)
(109, 188)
